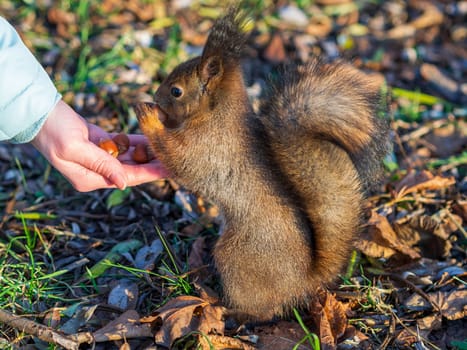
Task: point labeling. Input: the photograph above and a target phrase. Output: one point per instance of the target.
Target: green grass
(93, 69)
(454, 161)
(178, 284)
(312, 338)
(173, 52)
(460, 345)
(113, 256)
(416, 96)
(412, 104)
(30, 284)
(28, 279)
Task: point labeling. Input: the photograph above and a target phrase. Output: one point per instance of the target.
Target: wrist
(31, 132)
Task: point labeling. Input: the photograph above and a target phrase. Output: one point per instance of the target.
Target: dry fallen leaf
(147, 255)
(219, 342)
(63, 20)
(453, 305)
(425, 234)
(448, 139)
(275, 51)
(430, 16)
(195, 259)
(330, 315)
(424, 180)
(381, 241)
(406, 338)
(429, 323)
(124, 295)
(460, 208)
(282, 335)
(126, 326)
(184, 315)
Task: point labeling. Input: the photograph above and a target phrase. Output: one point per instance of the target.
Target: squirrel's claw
(149, 117)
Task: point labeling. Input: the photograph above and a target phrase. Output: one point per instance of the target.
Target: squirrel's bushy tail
(338, 103)
(227, 37)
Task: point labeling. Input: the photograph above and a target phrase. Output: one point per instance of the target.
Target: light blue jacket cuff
(27, 95)
(31, 132)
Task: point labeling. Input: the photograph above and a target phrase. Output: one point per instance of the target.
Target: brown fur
(287, 181)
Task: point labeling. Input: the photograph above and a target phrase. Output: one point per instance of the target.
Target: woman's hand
(70, 144)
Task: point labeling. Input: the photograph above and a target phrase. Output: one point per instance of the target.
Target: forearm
(31, 110)
(27, 94)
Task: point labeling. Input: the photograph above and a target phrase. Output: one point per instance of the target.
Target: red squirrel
(288, 180)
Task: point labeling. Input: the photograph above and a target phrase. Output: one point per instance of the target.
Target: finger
(136, 139)
(99, 161)
(82, 179)
(127, 157)
(142, 173)
(136, 175)
(96, 134)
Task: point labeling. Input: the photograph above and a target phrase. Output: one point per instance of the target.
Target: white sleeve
(27, 94)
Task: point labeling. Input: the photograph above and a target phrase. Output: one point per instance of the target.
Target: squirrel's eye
(176, 92)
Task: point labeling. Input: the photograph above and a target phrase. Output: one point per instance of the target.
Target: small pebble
(293, 15)
(143, 37)
(330, 48)
(78, 100)
(181, 4)
(11, 174)
(111, 88)
(409, 54)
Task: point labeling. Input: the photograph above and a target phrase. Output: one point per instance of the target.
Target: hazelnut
(109, 146)
(141, 154)
(122, 141)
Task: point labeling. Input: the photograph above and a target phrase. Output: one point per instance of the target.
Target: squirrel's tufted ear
(211, 70)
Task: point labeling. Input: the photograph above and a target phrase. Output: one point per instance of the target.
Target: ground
(132, 268)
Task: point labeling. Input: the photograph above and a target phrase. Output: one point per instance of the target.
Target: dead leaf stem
(40, 331)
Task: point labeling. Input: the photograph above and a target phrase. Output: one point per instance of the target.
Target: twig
(415, 289)
(51, 202)
(42, 332)
(459, 226)
(423, 130)
(410, 331)
(66, 233)
(415, 198)
(390, 334)
(78, 213)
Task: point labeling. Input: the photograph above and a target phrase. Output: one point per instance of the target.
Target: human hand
(69, 143)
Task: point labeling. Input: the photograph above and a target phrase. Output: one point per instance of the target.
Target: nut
(141, 154)
(109, 146)
(122, 141)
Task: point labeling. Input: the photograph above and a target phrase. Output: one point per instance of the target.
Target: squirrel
(289, 180)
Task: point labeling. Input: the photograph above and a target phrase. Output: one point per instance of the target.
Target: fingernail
(120, 182)
(122, 186)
